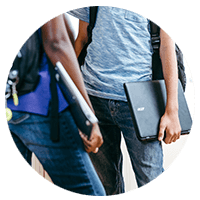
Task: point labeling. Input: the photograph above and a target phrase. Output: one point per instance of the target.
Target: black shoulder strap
(155, 36)
(93, 15)
(157, 72)
(54, 123)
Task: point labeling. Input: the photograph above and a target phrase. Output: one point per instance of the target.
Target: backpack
(24, 76)
(157, 72)
(24, 73)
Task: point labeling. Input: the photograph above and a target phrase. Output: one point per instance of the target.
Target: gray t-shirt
(120, 51)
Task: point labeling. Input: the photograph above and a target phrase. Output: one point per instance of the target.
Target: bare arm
(170, 124)
(82, 37)
(58, 47)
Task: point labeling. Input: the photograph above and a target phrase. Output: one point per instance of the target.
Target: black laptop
(147, 102)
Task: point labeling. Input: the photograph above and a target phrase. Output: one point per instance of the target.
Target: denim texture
(146, 157)
(66, 161)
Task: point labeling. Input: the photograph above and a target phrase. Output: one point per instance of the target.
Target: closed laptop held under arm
(147, 101)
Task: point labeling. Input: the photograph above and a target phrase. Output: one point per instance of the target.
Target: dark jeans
(146, 157)
(66, 161)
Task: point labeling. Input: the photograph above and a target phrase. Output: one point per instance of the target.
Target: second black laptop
(147, 102)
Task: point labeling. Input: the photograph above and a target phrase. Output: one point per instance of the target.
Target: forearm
(169, 63)
(169, 125)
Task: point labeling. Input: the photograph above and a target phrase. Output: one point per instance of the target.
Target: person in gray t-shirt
(120, 40)
(121, 52)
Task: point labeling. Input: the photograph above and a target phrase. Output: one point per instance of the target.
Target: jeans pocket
(18, 117)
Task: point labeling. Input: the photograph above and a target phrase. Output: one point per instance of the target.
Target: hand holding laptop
(84, 118)
(95, 141)
(170, 129)
(152, 118)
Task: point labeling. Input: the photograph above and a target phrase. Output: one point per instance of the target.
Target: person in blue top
(121, 52)
(66, 161)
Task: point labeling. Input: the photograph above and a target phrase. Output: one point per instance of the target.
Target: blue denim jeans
(66, 161)
(146, 157)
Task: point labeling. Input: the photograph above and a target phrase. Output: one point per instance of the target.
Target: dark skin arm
(58, 47)
(82, 37)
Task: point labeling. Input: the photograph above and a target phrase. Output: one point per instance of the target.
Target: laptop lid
(147, 101)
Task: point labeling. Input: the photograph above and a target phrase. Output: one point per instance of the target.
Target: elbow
(167, 49)
(166, 44)
(84, 40)
(54, 45)
(81, 40)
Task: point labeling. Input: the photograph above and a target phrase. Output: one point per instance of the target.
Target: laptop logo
(140, 109)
